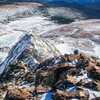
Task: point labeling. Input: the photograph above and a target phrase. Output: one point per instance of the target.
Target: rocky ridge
(65, 77)
(31, 49)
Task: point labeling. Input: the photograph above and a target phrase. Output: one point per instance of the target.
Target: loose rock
(61, 95)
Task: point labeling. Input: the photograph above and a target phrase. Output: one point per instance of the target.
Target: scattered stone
(6, 86)
(52, 61)
(44, 78)
(93, 59)
(44, 74)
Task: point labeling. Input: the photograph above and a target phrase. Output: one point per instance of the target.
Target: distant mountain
(83, 1)
(46, 1)
(89, 7)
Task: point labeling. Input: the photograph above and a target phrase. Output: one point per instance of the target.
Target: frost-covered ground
(83, 35)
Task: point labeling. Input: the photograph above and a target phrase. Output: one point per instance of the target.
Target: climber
(76, 51)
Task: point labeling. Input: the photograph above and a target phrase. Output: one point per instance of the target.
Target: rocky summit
(49, 51)
(64, 77)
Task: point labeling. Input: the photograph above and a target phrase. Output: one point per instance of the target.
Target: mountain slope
(25, 10)
(83, 35)
(30, 49)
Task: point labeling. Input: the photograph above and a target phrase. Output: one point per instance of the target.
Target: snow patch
(46, 96)
(97, 50)
(64, 48)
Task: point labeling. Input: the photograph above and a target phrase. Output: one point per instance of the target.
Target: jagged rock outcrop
(59, 74)
(30, 49)
(93, 71)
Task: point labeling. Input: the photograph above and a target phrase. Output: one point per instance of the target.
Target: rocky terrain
(36, 53)
(84, 35)
(59, 78)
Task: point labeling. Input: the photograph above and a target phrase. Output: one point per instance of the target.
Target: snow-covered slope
(14, 12)
(30, 49)
(83, 35)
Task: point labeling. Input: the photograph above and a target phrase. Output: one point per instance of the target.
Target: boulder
(72, 57)
(2, 94)
(61, 95)
(52, 61)
(44, 77)
(73, 71)
(30, 77)
(19, 65)
(71, 80)
(43, 89)
(17, 71)
(60, 84)
(93, 71)
(93, 85)
(98, 62)
(80, 88)
(84, 55)
(97, 98)
(82, 63)
(18, 94)
(51, 75)
(6, 86)
(81, 81)
(28, 89)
